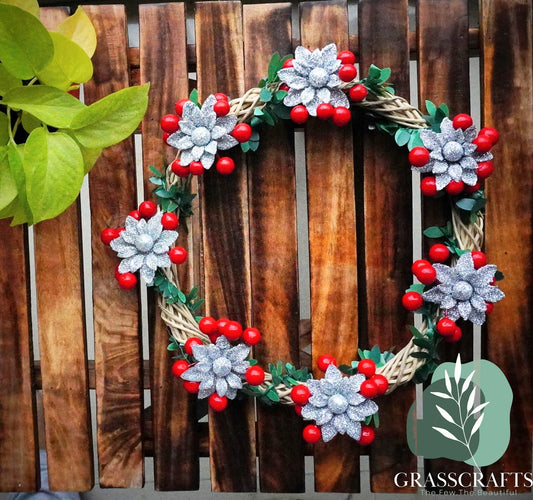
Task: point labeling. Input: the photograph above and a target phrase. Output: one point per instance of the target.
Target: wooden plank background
(244, 251)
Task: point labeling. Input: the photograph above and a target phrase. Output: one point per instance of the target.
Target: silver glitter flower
(452, 155)
(314, 79)
(202, 133)
(220, 368)
(463, 290)
(336, 404)
(144, 245)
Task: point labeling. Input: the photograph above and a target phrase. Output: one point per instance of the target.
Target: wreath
(455, 283)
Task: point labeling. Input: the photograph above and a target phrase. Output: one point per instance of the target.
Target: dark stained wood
(162, 32)
(19, 464)
(332, 244)
(267, 29)
(117, 342)
(383, 35)
(224, 205)
(507, 102)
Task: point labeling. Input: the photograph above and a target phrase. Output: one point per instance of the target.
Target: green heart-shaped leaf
(79, 28)
(8, 187)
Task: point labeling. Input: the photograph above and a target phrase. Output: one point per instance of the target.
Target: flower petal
(227, 142)
(186, 158)
(468, 163)
(186, 126)
(227, 122)
(133, 264)
(293, 98)
(323, 94)
(238, 353)
(477, 317)
(439, 167)
(354, 430)
(234, 381)
(184, 142)
(197, 152)
(464, 308)
(442, 180)
(147, 274)
(455, 171)
(492, 294)
(207, 160)
(328, 432)
(469, 177)
(308, 95)
(212, 147)
(221, 386)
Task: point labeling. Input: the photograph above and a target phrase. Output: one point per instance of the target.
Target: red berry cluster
(376, 384)
(232, 330)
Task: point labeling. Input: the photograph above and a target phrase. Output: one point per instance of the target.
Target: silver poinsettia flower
(453, 156)
(336, 404)
(202, 133)
(143, 246)
(220, 368)
(314, 79)
(463, 290)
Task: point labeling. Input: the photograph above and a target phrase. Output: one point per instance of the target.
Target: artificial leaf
(31, 6)
(466, 204)
(53, 165)
(111, 119)
(8, 187)
(50, 105)
(434, 232)
(7, 80)
(4, 129)
(431, 108)
(265, 95)
(69, 65)
(79, 28)
(25, 44)
(402, 137)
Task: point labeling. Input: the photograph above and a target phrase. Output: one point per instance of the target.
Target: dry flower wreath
(455, 283)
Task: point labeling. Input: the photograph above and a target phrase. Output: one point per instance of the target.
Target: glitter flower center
(337, 404)
(221, 367)
(462, 290)
(318, 77)
(144, 243)
(201, 136)
(453, 151)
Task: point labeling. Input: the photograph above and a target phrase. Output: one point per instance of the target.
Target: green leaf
(423, 343)
(280, 95)
(79, 28)
(374, 72)
(431, 108)
(402, 137)
(254, 145)
(267, 116)
(20, 210)
(53, 165)
(25, 44)
(416, 333)
(245, 146)
(4, 132)
(415, 140)
(156, 172)
(434, 232)
(274, 66)
(265, 95)
(29, 122)
(30, 6)
(384, 76)
(466, 204)
(7, 80)
(50, 105)
(69, 65)
(273, 395)
(416, 287)
(8, 187)
(499, 276)
(193, 96)
(444, 108)
(90, 155)
(420, 355)
(111, 119)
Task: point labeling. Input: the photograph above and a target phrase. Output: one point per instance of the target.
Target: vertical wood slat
(273, 245)
(443, 76)
(117, 343)
(19, 464)
(224, 204)
(507, 55)
(162, 33)
(383, 41)
(332, 244)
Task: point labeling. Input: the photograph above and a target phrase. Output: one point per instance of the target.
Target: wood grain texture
(332, 244)
(224, 206)
(117, 343)
(506, 33)
(162, 32)
(273, 245)
(383, 41)
(19, 466)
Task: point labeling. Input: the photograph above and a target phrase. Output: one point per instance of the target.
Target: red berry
(367, 435)
(284, 87)
(412, 301)
(418, 264)
(191, 387)
(490, 307)
(225, 165)
(324, 361)
(213, 337)
(366, 367)
(312, 433)
(178, 106)
(491, 134)
(346, 57)
(300, 394)
(455, 336)
(190, 343)
(446, 326)
(220, 96)
(428, 186)
(208, 325)
(178, 255)
(439, 253)
(381, 383)
(251, 336)
(233, 330)
(178, 169)
(242, 132)
(299, 114)
(479, 258)
(289, 63)
(108, 235)
(169, 221)
(358, 93)
(218, 403)
(255, 375)
(462, 121)
(166, 135)
(135, 214)
(170, 123)
(221, 324)
(341, 116)
(472, 189)
(455, 187)
(298, 410)
(196, 168)
(418, 156)
(426, 275)
(347, 72)
(179, 367)
(483, 144)
(147, 209)
(324, 111)
(221, 108)
(485, 169)
(127, 281)
(369, 389)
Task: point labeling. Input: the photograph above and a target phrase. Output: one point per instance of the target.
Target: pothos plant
(49, 139)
